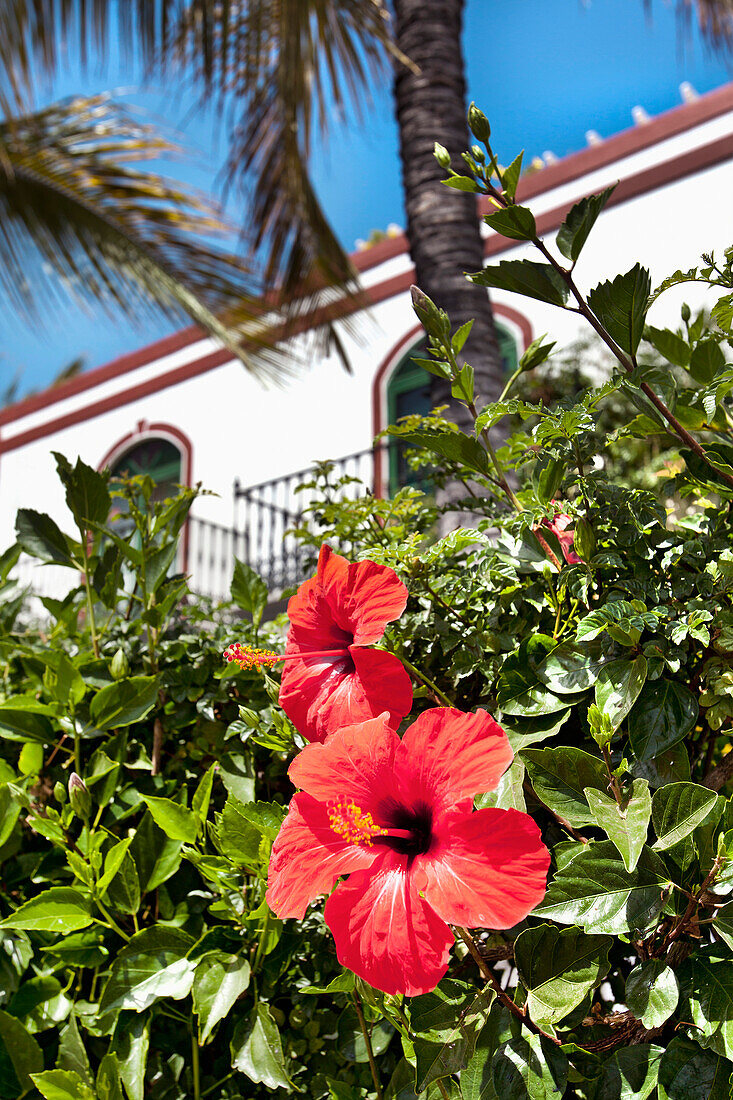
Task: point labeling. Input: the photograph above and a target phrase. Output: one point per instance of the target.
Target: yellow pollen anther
(247, 657)
(349, 821)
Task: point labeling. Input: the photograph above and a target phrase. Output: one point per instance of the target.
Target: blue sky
(544, 71)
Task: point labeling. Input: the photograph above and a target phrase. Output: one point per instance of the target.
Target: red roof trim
(658, 175)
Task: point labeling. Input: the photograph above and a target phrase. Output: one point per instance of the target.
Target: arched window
(408, 392)
(158, 458)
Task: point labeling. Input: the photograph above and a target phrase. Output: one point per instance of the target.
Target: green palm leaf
(79, 219)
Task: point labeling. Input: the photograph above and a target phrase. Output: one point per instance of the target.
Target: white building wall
(238, 429)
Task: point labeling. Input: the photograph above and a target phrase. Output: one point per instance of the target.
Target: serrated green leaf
(574, 231)
(707, 985)
(625, 826)
(706, 361)
(652, 992)
(151, 965)
(124, 702)
(533, 280)
(515, 222)
(219, 981)
(19, 1051)
(558, 967)
(176, 821)
(621, 306)
(629, 1073)
(529, 1068)
(249, 591)
(677, 810)
(62, 1084)
(59, 909)
(257, 1051)
(561, 775)
(596, 891)
(687, 1072)
(618, 686)
(668, 344)
(663, 714)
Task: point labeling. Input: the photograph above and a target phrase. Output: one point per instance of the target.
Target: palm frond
(714, 19)
(78, 219)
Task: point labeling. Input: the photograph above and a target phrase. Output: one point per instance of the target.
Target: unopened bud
(685, 311)
(478, 154)
(442, 155)
(479, 124)
(119, 665)
(59, 793)
(79, 796)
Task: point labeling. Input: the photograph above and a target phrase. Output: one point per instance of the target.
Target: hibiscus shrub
(500, 752)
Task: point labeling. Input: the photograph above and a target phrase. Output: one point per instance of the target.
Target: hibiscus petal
(320, 696)
(356, 764)
(375, 596)
(385, 932)
(485, 870)
(307, 858)
(447, 755)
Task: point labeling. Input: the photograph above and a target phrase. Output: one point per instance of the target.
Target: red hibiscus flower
(331, 678)
(558, 527)
(397, 817)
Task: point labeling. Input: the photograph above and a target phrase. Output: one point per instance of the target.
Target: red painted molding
(697, 160)
(633, 140)
(398, 350)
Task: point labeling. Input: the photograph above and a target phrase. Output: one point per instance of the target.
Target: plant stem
(486, 973)
(195, 1067)
(112, 922)
(368, 1045)
(440, 696)
(613, 780)
(443, 1090)
(261, 943)
(88, 589)
(216, 1085)
(447, 606)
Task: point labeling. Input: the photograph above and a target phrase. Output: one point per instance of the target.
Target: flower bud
(79, 796)
(59, 793)
(479, 124)
(685, 311)
(435, 320)
(442, 155)
(119, 666)
(478, 154)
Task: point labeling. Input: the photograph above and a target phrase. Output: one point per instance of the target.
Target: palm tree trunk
(442, 224)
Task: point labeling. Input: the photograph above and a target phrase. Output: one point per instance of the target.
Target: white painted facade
(678, 171)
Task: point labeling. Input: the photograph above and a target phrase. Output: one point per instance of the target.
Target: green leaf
(87, 495)
(40, 1003)
(687, 1072)
(621, 306)
(62, 681)
(668, 344)
(157, 564)
(19, 1052)
(706, 360)
(156, 856)
(515, 222)
(571, 668)
(249, 591)
(529, 1068)
(202, 795)
(652, 992)
(509, 792)
(560, 777)
(707, 986)
(596, 891)
(574, 231)
(626, 827)
(72, 1055)
(130, 1044)
(176, 821)
(152, 965)
(109, 1079)
(59, 909)
(476, 1079)
(558, 967)
(526, 277)
(630, 1073)
(677, 809)
(62, 1084)
(510, 176)
(461, 183)
(219, 981)
(536, 353)
(124, 889)
(21, 725)
(42, 538)
(257, 1051)
(238, 838)
(452, 446)
(265, 817)
(124, 702)
(112, 863)
(618, 686)
(663, 714)
(447, 1022)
